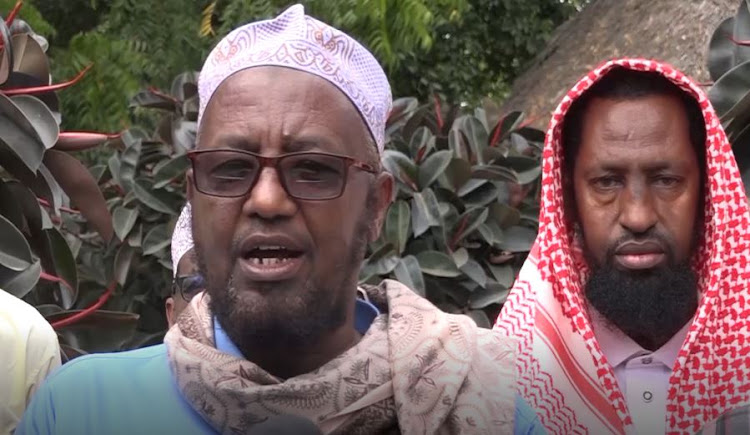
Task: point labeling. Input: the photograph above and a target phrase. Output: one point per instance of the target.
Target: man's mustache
(652, 238)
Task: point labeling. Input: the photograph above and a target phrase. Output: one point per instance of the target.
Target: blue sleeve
(526, 421)
(39, 417)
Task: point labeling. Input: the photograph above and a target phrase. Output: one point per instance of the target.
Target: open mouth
(266, 258)
(271, 255)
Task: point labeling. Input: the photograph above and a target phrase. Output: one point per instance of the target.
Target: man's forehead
(255, 84)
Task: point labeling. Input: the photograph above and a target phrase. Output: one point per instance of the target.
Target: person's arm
(39, 418)
(526, 421)
(42, 357)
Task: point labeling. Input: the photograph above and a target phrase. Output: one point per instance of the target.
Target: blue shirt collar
(364, 314)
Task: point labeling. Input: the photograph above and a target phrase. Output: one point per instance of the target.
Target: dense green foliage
(729, 66)
(466, 207)
(464, 49)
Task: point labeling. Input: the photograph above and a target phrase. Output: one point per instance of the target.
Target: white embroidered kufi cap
(295, 40)
(182, 237)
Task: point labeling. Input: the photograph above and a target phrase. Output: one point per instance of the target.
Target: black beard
(298, 318)
(650, 306)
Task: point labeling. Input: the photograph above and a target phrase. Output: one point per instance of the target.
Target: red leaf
(82, 189)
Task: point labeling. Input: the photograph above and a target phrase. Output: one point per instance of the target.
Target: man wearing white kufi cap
(286, 191)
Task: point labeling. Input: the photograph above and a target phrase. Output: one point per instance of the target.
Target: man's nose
(267, 198)
(637, 210)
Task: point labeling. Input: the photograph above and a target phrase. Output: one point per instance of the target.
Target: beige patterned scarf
(417, 370)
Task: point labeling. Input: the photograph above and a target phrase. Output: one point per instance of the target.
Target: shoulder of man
(97, 387)
(30, 351)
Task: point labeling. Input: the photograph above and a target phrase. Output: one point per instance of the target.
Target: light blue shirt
(134, 392)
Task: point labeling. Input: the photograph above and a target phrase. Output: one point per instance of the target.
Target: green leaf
(122, 263)
(43, 123)
(509, 124)
(10, 206)
(457, 174)
(474, 270)
(730, 88)
(518, 239)
(437, 263)
(17, 133)
(503, 274)
(128, 164)
(156, 240)
(145, 195)
(421, 142)
(477, 136)
(36, 216)
(135, 238)
(15, 253)
(481, 197)
(468, 222)
(491, 233)
(493, 172)
(484, 297)
(433, 167)
(471, 186)
(504, 215)
(526, 177)
(101, 331)
(124, 220)
(151, 100)
(460, 257)
(176, 168)
(407, 272)
(458, 144)
(721, 50)
(19, 284)
(425, 211)
(63, 266)
(401, 167)
(397, 225)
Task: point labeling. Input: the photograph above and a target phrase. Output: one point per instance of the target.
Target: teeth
(267, 261)
(270, 248)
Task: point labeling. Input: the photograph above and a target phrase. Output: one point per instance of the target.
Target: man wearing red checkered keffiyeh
(631, 308)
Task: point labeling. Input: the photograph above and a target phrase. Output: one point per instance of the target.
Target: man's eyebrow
(236, 141)
(308, 143)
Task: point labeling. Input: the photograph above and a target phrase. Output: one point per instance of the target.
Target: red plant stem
(50, 88)
(52, 278)
(46, 203)
(498, 131)
(157, 92)
(438, 112)
(459, 230)
(738, 42)
(528, 122)
(12, 15)
(77, 317)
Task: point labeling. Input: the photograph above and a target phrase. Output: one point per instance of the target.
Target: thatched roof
(675, 31)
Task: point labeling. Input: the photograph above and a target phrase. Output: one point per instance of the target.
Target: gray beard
(289, 319)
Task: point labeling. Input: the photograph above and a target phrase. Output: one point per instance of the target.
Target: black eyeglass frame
(178, 286)
(275, 162)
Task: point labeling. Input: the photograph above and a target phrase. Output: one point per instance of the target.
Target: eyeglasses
(312, 176)
(188, 286)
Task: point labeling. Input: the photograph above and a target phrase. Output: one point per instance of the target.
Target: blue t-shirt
(134, 392)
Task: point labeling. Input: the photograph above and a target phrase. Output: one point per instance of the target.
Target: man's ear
(169, 308)
(384, 197)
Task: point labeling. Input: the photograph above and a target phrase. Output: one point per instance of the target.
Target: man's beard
(291, 318)
(650, 306)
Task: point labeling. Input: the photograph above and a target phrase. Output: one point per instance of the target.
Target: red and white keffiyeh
(562, 372)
